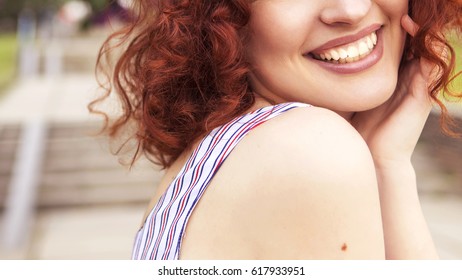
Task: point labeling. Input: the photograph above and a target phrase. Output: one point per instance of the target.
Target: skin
(344, 187)
(282, 31)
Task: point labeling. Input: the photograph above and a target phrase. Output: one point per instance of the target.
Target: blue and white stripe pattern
(161, 236)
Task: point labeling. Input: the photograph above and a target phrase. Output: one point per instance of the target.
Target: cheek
(394, 8)
(279, 28)
(394, 11)
(266, 40)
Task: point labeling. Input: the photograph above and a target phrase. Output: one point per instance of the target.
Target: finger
(409, 25)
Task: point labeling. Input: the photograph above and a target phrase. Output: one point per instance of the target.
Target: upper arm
(308, 188)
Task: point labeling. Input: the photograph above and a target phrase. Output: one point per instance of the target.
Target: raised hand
(392, 130)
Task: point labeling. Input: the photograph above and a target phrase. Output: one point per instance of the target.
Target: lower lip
(356, 66)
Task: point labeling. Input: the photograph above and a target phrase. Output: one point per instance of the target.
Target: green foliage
(457, 45)
(8, 54)
(98, 5)
(10, 9)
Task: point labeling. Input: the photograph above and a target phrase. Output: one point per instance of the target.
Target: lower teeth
(343, 60)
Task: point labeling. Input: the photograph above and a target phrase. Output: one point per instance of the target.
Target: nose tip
(345, 11)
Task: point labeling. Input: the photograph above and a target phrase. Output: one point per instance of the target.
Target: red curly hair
(182, 71)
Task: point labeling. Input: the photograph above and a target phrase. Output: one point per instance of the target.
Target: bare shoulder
(310, 139)
(300, 186)
(307, 180)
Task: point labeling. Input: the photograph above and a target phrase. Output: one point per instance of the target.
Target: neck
(346, 115)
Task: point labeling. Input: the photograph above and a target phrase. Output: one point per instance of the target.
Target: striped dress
(162, 233)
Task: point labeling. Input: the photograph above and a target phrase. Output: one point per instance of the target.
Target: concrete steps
(9, 137)
(78, 170)
(438, 160)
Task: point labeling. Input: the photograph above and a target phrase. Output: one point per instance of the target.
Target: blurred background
(64, 196)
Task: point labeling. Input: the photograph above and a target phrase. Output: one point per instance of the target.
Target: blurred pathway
(60, 98)
(88, 206)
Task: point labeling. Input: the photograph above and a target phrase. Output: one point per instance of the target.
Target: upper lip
(347, 39)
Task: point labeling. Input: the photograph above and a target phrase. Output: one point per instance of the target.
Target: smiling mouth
(348, 53)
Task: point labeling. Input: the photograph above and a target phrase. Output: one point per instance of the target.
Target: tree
(10, 9)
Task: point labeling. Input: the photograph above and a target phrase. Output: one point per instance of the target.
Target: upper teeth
(350, 52)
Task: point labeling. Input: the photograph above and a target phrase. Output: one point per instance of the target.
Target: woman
(218, 92)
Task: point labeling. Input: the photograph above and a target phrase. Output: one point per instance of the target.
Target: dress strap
(162, 234)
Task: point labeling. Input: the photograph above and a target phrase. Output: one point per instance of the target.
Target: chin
(382, 92)
(365, 101)
(376, 100)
